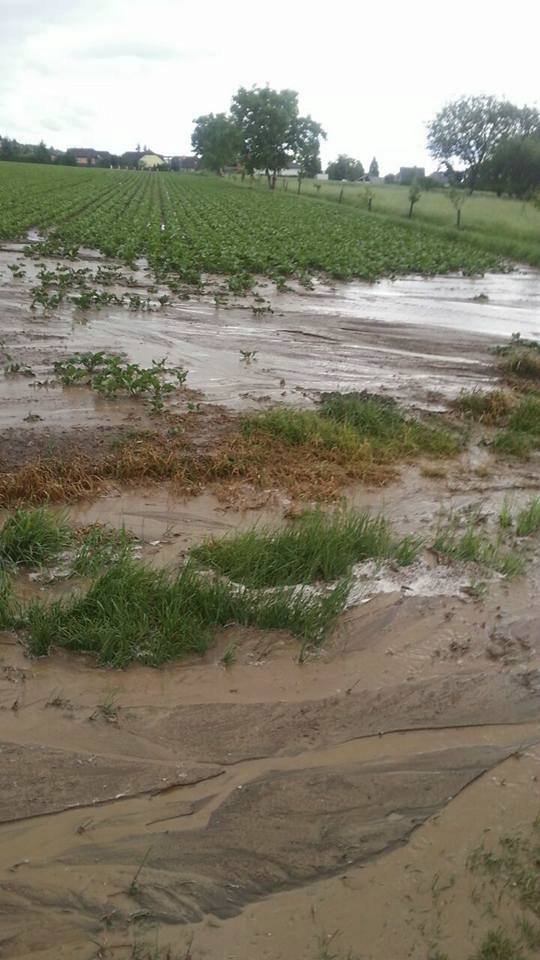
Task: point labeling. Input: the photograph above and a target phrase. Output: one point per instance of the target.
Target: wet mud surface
(262, 810)
(420, 340)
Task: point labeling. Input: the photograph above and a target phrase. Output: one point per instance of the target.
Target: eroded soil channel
(259, 806)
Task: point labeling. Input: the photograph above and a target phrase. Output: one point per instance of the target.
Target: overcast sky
(111, 73)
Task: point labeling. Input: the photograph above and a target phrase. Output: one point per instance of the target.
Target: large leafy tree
(310, 134)
(374, 168)
(216, 140)
(514, 167)
(469, 129)
(345, 168)
(273, 134)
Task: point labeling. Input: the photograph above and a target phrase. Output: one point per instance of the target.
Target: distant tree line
(11, 149)
(24, 152)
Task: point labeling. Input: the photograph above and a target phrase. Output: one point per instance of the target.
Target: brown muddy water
(420, 340)
(277, 810)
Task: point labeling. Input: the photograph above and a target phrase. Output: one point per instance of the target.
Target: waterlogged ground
(269, 809)
(419, 340)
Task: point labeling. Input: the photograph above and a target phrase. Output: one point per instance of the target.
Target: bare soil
(272, 810)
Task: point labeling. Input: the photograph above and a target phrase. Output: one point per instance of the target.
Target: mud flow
(264, 808)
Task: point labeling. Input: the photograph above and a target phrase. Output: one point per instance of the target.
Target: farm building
(141, 160)
(440, 176)
(87, 157)
(184, 163)
(408, 174)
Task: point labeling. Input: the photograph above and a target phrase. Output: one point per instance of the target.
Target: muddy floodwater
(416, 339)
(272, 809)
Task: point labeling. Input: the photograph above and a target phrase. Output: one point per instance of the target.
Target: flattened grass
(317, 546)
(134, 613)
(311, 454)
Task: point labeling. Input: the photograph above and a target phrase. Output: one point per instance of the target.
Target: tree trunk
(340, 195)
(298, 189)
(274, 178)
(268, 178)
(458, 218)
(370, 201)
(411, 210)
(473, 176)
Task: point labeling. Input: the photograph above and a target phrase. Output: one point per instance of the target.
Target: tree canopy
(514, 167)
(469, 129)
(374, 168)
(345, 168)
(273, 133)
(216, 140)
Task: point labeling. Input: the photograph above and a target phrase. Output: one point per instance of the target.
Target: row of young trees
(262, 131)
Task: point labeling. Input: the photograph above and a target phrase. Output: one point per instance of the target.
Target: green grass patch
(298, 427)
(132, 612)
(513, 444)
(100, 547)
(496, 945)
(33, 538)
(38, 537)
(522, 433)
(520, 357)
(486, 406)
(318, 546)
(7, 603)
(475, 545)
(522, 363)
(381, 421)
(356, 424)
(528, 519)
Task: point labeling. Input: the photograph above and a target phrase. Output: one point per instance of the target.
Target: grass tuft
(497, 946)
(386, 426)
(474, 545)
(488, 407)
(297, 427)
(521, 363)
(522, 433)
(33, 538)
(318, 546)
(528, 519)
(99, 547)
(7, 603)
(132, 612)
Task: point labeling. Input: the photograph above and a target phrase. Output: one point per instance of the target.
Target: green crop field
(508, 227)
(188, 225)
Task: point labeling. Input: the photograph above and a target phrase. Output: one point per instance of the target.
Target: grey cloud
(21, 18)
(137, 49)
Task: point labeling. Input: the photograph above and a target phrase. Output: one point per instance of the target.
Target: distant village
(146, 159)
